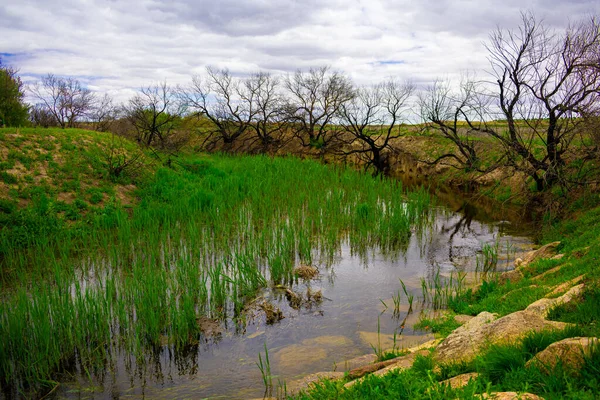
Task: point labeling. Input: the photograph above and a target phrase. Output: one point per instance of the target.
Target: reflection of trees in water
(467, 212)
(463, 225)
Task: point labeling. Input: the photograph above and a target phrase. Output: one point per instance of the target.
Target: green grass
(89, 270)
(51, 173)
(585, 313)
(442, 326)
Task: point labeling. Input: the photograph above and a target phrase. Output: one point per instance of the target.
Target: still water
(355, 316)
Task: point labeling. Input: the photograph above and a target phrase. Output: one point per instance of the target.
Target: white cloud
(117, 46)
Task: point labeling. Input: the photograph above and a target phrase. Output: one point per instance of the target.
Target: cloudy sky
(117, 46)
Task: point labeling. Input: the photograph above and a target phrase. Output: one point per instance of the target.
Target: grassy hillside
(53, 179)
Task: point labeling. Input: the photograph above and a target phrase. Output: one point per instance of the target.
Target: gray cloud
(118, 46)
(241, 18)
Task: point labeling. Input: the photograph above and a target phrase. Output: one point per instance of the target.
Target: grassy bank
(94, 263)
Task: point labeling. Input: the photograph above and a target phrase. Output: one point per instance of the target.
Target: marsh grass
(203, 239)
(264, 365)
(410, 297)
(439, 292)
(487, 259)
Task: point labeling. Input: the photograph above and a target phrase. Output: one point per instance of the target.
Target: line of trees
(545, 85)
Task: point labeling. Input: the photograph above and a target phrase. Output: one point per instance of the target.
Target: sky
(118, 46)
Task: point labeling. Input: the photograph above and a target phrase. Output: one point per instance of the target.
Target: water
(318, 336)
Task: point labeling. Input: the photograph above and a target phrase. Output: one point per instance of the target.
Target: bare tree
(39, 115)
(64, 98)
(269, 121)
(120, 161)
(371, 119)
(155, 113)
(228, 104)
(545, 82)
(104, 113)
(316, 99)
(447, 112)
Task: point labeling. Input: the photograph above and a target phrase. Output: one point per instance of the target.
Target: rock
(463, 319)
(294, 356)
(359, 361)
(306, 272)
(565, 286)
(403, 362)
(460, 380)
(309, 380)
(368, 368)
(256, 334)
(423, 346)
(298, 357)
(511, 396)
(386, 342)
(519, 263)
(466, 341)
(543, 306)
(462, 337)
(512, 276)
(546, 251)
(569, 353)
(368, 362)
(328, 341)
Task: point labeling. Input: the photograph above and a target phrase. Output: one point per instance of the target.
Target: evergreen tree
(13, 110)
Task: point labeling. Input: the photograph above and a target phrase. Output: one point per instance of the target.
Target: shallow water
(318, 337)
